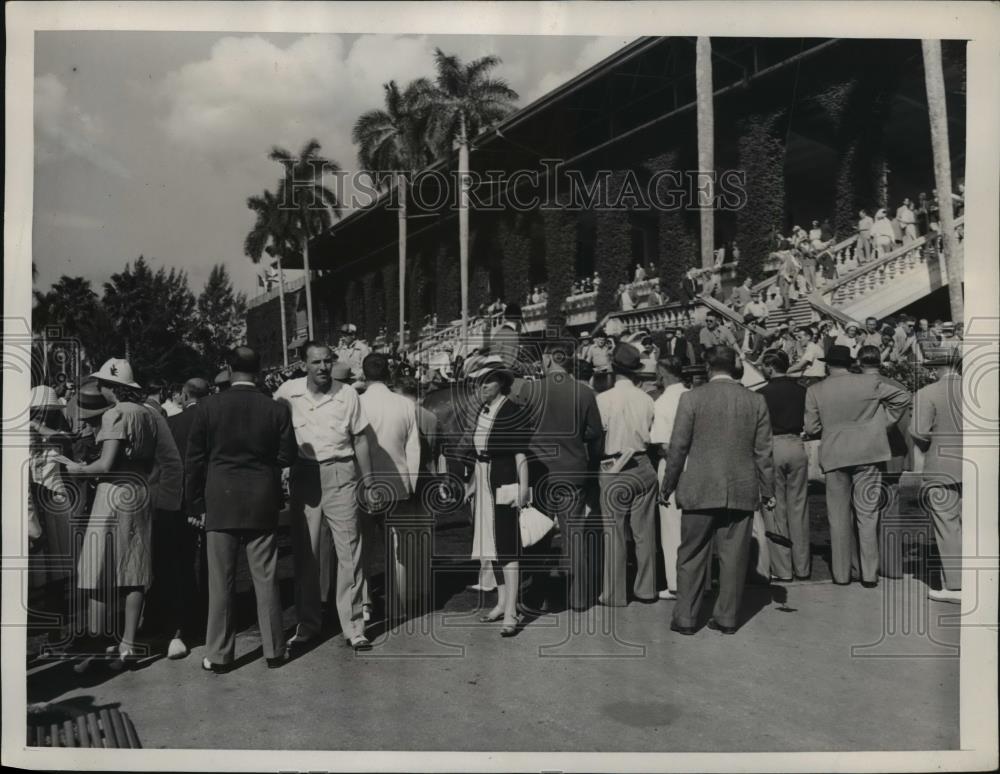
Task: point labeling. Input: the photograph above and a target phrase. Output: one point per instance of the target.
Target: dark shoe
(716, 626)
(509, 629)
(360, 643)
(644, 601)
(279, 661)
(219, 669)
(676, 627)
(803, 577)
(297, 643)
(775, 579)
(870, 584)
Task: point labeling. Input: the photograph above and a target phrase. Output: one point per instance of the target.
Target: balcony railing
(263, 298)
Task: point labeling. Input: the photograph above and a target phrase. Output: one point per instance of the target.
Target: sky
(149, 143)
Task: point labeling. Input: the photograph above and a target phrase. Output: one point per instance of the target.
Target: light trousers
(262, 559)
(629, 495)
(853, 495)
(945, 505)
(318, 493)
(670, 534)
(790, 517)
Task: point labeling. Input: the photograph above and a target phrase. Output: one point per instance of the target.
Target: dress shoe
(219, 669)
(279, 661)
(676, 627)
(645, 601)
(360, 643)
(177, 649)
(870, 584)
(716, 626)
(803, 577)
(299, 641)
(509, 628)
(667, 594)
(945, 595)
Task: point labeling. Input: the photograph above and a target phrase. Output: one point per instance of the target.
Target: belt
(307, 461)
(788, 435)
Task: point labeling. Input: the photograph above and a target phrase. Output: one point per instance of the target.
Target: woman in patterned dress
(116, 545)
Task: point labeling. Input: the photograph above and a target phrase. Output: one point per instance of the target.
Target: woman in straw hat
(496, 449)
(116, 546)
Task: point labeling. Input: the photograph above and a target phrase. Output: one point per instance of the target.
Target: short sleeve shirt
(627, 415)
(135, 427)
(664, 413)
(814, 352)
(325, 424)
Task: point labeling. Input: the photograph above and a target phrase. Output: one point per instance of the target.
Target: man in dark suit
(238, 443)
(723, 433)
(179, 567)
(564, 450)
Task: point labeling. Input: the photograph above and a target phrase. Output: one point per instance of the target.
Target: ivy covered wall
(559, 228)
(677, 228)
(446, 281)
(514, 242)
(761, 153)
(612, 248)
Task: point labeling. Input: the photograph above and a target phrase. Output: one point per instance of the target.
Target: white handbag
(534, 525)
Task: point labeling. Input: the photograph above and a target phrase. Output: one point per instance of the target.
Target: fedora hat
(44, 397)
(117, 371)
(839, 355)
(626, 358)
(90, 401)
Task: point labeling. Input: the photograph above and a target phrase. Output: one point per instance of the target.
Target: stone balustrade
(676, 314)
(876, 275)
(263, 298)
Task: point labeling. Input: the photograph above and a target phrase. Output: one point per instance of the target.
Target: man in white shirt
(810, 360)
(628, 481)
(394, 445)
(669, 374)
(352, 351)
(907, 221)
(327, 481)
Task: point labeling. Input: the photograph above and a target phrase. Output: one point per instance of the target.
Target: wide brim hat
(90, 401)
(838, 355)
(482, 366)
(856, 326)
(44, 397)
(116, 370)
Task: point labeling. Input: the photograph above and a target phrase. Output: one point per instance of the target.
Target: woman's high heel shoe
(509, 629)
(491, 617)
(127, 658)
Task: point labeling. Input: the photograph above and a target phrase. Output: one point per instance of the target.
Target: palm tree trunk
(463, 231)
(308, 283)
(281, 304)
(402, 260)
(938, 112)
(706, 148)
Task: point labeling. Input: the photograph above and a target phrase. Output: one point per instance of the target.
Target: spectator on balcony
(741, 295)
(816, 236)
(640, 273)
(651, 270)
(690, 284)
(907, 221)
(922, 214)
(505, 341)
(626, 304)
(714, 334)
(863, 252)
(596, 282)
(654, 298)
(787, 275)
(735, 252)
(883, 234)
(496, 307)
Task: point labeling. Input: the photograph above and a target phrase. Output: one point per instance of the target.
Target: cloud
(63, 130)
(67, 220)
(593, 52)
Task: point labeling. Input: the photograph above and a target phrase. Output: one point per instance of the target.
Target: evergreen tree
(221, 317)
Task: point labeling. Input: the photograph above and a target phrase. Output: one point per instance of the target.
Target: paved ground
(815, 667)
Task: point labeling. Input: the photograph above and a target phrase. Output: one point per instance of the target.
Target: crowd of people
(645, 438)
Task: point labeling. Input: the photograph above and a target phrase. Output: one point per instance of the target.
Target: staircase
(800, 313)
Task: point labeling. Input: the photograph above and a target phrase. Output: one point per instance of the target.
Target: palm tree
(938, 113)
(465, 100)
(706, 145)
(311, 204)
(394, 140)
(272, 233)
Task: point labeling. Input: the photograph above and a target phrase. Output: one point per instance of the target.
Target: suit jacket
(567, 424)
(180, 429)
(937, 424)
(239, 441)
(853, 413)
(723, 431)
(393, 440)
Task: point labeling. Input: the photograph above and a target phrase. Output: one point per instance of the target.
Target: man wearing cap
(394, 446)
(627, 480)
(352, 351)
(852, 414)
(238, 443)
(599, 353)
(327, 482)
(222, 381)
(719, 468)
(937, 431)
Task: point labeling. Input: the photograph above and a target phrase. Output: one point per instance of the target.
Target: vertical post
(937, 109)
(308, 274)
(463, 231)
(281, 305)
(402, 260)
(706, 149)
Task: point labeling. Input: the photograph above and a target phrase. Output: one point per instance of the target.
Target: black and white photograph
(501, 386)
